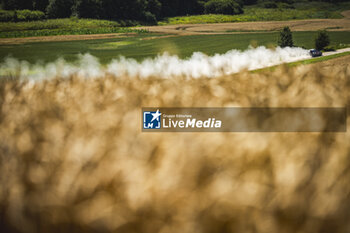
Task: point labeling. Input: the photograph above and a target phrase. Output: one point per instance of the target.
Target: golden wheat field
(73, 157)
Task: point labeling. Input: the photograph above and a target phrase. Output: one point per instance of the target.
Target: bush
(226, 7)
(286, 38)
(286, 1)
(329, 48)
(285, 6)
(6, 16)
(27, 15)
(249, 2)
(21, 15)
(322, 40)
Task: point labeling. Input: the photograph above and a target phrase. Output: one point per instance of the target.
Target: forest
(142, 10)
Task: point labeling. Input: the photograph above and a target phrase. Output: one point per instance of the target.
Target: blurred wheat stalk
(73, 158)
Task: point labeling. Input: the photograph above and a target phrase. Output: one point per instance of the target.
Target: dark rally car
(315, 53)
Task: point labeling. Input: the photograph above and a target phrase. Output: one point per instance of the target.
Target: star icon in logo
(156, 116)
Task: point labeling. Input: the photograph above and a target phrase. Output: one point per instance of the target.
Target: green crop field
(254, 14)
(148, 45)
(71, 26)
(298, 10)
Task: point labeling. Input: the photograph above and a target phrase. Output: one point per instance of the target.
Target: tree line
(142, 10)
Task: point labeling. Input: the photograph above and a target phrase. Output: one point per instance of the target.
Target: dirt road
(62, 38)
(339, 62)
(336, 52)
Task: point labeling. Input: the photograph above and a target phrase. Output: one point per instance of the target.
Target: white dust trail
(164, 66)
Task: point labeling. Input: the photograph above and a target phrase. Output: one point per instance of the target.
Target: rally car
(315, 53)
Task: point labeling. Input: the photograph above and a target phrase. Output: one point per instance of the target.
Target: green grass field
(145, 45)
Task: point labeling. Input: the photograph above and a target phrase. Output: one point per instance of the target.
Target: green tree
(154, 7)
(18, 4)
(121, 9)
(41, 5)
(188, 7)
(59, 8)
(169, 8)
(286, 38)
(181, 7)
(226, 7)
(88, 9)
(322, 40)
